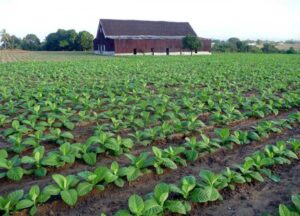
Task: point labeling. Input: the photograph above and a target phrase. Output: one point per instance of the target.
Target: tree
(5, 39)
(61, 40)
(291, 50)
(233, 44)
(52, 42)
(84, 41)
(191, 43)
(269, 48)
(31, 42)
(14, 42)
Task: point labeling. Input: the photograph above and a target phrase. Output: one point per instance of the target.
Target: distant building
(121, 37)
(252, 44)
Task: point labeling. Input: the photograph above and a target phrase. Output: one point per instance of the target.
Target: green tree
(291, 50)
(191, 43)
(14, 42)
(269, 48)
(233, 44)
(31, 42)
(5, 39)
(84, 41)
(52, 42)
(61, 40)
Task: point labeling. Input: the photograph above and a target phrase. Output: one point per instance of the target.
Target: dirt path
(114, 198)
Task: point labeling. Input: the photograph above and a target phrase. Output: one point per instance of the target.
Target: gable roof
(145, 29)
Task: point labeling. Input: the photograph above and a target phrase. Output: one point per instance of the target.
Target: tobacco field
(145, 136)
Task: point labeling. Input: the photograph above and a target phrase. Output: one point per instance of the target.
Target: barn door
(168, 51)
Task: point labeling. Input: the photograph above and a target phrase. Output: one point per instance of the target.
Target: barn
(132, 37)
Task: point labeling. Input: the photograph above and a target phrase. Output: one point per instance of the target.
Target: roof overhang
(143, 37)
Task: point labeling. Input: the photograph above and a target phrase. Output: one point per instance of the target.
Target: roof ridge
(135, 20)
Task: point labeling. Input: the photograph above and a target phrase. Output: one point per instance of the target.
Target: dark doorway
(152, 51)
(168, 51)
(134, 51)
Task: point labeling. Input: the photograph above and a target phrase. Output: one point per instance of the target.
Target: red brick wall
(159, 45)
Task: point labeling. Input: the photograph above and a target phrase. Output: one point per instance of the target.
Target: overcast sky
(246, 19)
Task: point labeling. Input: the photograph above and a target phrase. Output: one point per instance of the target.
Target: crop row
(42, 111)
(177, 198)
(14, 168)
(86, 181)
(208, 189)
(40, 128)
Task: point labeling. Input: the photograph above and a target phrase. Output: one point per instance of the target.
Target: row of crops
(116, 120)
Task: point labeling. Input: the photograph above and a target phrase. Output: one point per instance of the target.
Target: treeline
(61, 40)
(236, 45)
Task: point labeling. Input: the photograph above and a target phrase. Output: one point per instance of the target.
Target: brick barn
(120, 37)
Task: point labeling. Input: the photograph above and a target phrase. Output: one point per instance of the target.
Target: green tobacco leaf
(296, 201)
(15, 196)
(69, 125)
(136, 204)
(3, 153)
(205, 194)
(34, 192)
(169, 163)
(157, 152)
(69, 196)
(67, 135)
(84, 188)
(60, 180)
(44, 197)
(161, 192)
(40, 172)
(127, 143)
(191, 155)
(152, 208)
(26, 203)
(271, 175)
(90, 158)
(257, 176)
(33, 211)
(3, 163)
(119, 182)
(175, 207)
(284, 211)
(51, 190)
(112, 145)
(114, 167)
(253, 136)
(15, 174)
(110, 177)
(132, 173)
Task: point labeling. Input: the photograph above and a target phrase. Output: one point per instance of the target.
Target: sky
(217, 19)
